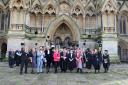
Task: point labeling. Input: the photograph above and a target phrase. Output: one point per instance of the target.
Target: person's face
(57, 50)
(40, 48)
(106, 52)
(71, 51)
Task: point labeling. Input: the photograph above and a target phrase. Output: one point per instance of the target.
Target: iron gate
(123, 53)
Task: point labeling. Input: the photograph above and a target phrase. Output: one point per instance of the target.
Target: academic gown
(63, 61)
(88, 60)
(96, 62)
(71, 61)
(106, 61)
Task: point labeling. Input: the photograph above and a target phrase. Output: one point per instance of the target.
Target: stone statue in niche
(67, 42)
(50, 8)
(77, 10)
(64, 7)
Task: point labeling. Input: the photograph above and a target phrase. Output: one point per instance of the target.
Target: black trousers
(11, 62)
(49, 63)
(106, 66)
(18, 60)
(63, 65)
(24, 64)
(56, 64)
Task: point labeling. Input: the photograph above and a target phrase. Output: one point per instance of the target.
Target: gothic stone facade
(84, 22)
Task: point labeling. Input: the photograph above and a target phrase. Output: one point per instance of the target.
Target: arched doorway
(57, 42)
(3, 50)
(63, 36)
(67, 42)
(63, 22)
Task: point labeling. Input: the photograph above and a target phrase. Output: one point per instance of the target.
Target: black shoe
(81, 71)
(26, 73)
(32, 73)
(77, 70)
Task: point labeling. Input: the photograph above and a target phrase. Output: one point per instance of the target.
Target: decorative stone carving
(64, 7)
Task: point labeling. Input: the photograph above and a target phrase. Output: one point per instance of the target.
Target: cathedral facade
(63, 23)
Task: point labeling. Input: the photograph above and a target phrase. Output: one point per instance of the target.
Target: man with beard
(106, 61)
(63, 60)
(49, 58)
(71, 61)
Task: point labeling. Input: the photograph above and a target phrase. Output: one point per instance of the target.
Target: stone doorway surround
(63, 19)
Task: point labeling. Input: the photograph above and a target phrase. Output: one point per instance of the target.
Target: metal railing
(34, 30)
(17, 26)
(90, 31)
(109, 29)
(123, 53)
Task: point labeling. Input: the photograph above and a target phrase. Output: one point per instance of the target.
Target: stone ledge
(114, 59)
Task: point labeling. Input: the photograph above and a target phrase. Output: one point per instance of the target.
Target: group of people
(65, 59)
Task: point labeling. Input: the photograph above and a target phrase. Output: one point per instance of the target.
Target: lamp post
(99, 44)
(84, 44)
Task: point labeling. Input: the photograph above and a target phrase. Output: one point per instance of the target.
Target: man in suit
(49, 58)
(24, 61)
(71, 61)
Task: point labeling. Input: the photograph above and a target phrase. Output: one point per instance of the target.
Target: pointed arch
(51, 7)
(69, 22)
(36, 7)
(17, 3)
(109, 5)
(78, 7)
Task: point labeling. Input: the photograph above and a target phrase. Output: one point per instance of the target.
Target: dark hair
(106, 50)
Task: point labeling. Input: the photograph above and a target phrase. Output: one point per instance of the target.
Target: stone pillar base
(114, 59)
(111, 44)
(14, 43)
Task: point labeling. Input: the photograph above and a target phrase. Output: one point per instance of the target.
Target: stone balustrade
(17, 26)
(109, 29)
(89, 31)
(34, 30)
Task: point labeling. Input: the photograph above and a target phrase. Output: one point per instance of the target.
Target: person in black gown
(88, 59)
(96, 61)
(106, 61)
(71, 60)
(63, 60)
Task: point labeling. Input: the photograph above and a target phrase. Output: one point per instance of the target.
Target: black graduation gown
(106, 61)
(96, 62)
(88, 60)
(63, 62)
(71, 61)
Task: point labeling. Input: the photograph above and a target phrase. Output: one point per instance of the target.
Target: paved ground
(118, 75)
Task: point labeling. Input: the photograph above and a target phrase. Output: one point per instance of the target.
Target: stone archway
(3, 50)
(63, 19)
(64, 33)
